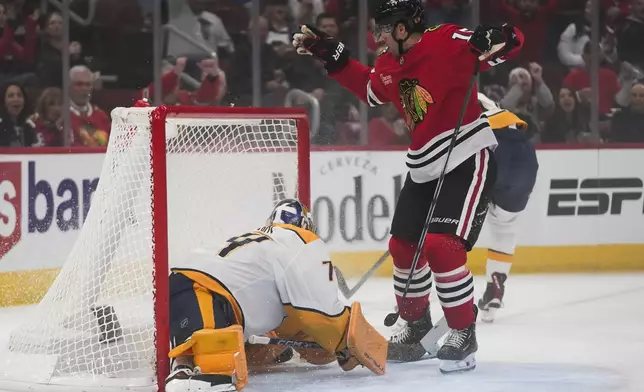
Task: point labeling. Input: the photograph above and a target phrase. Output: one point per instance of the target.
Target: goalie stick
(255, 339)
(342, 283)
(429, 341)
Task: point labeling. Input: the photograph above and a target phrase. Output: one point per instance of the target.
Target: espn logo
(593, 196)
(10, 201)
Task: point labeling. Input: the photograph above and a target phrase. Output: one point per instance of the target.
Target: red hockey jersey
(428, 85)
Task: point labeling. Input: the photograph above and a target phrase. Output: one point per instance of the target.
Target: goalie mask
(292, 212)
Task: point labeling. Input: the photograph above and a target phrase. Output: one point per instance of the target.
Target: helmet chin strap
(401, 42)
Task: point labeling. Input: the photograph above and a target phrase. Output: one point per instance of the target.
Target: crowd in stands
(548, 85)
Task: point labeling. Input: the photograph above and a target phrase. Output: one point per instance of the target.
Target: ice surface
(573, 333)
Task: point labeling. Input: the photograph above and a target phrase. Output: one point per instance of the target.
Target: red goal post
(159, 118)
(173, 178)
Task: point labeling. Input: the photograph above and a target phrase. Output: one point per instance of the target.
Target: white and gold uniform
(275, 280)
(278, 271)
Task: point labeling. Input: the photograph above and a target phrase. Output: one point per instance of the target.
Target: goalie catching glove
(313, 42)
(491, 42)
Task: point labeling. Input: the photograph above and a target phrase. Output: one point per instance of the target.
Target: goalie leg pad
(364, 343)
(217, 352)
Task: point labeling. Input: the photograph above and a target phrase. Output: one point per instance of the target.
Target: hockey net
(173, 179)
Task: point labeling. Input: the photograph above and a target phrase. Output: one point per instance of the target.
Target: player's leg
(460, 212)
(516, 175)
(406, 227)
(207, 342)
(309, 293)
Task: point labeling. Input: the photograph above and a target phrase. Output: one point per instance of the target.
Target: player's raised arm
(335, 56)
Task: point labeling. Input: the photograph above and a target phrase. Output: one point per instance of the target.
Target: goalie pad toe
(366, 344)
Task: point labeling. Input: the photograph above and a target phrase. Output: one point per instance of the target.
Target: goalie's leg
(308, 290)
(207, 339)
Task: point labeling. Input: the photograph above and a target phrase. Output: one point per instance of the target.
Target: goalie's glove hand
(313, 42)
(493, 41)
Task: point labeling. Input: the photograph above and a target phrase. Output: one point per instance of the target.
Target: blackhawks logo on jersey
(415, 99)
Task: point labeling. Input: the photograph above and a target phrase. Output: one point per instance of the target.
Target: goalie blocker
(276, 280)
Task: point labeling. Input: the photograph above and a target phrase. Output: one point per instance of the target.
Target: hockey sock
(497, 262)
(417, 300)
(454, 282)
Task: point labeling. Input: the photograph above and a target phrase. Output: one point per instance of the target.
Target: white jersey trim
(372, 99)
(426, 163)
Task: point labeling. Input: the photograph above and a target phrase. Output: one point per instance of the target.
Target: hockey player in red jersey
(426, 72)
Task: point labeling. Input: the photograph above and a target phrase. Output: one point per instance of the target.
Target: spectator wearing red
(16, 129)
(578, 80)
(90, 124)
(48, 118)
(210, 92)
(388, 129)
(529, 16)
(628, 123)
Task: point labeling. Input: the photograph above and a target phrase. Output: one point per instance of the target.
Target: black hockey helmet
(387, 14)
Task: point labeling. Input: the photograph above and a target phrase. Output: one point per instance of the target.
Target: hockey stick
(393, 317)
(342, 283)
(255, 339)
(429, 341)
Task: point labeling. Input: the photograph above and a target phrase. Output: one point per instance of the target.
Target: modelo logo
(354, 201)
(66, 203)
(593, 196)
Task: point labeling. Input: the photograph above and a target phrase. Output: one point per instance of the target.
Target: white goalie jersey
(269, 269)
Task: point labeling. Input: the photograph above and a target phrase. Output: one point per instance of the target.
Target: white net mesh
(95, 326)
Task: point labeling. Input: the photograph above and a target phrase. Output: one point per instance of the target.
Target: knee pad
(444, 252)
(217, 351)
(402, 252)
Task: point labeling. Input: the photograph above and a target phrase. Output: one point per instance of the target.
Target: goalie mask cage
(173, 178)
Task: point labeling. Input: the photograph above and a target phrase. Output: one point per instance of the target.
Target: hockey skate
(492, 299)
(185, 378)
(405, 345)
(457, 353)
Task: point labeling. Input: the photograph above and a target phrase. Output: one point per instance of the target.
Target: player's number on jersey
(462, 36)
(330, 269)
(242, 240)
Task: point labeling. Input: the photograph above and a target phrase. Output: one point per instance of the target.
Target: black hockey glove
(311, 41)
(492, 41)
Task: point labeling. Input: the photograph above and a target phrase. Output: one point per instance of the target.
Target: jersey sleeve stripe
(372, 99)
